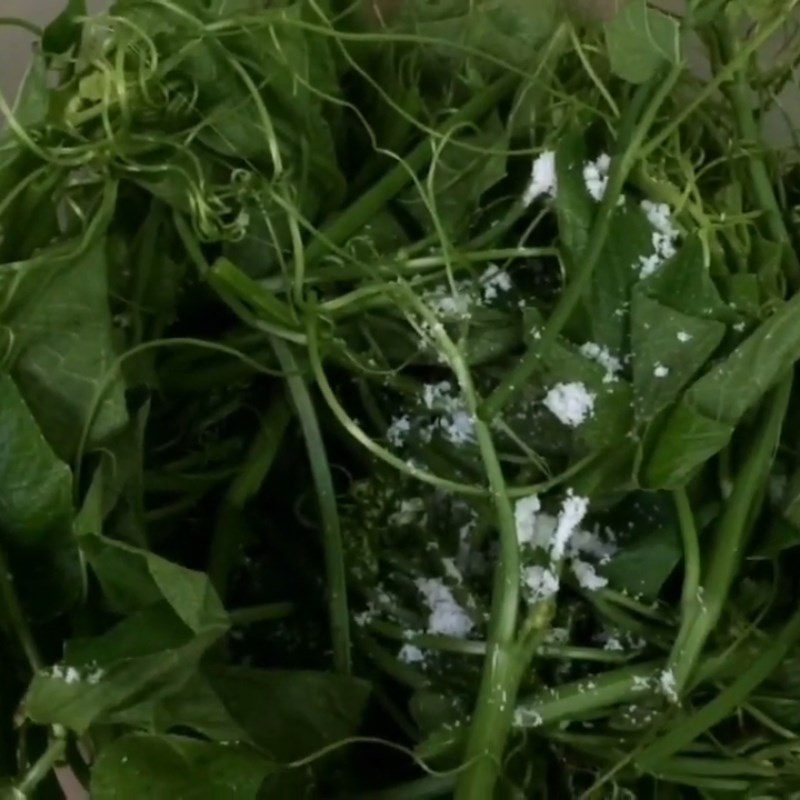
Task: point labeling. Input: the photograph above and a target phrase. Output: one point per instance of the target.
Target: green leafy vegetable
(397, 402)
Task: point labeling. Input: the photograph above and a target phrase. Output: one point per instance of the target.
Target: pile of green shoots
(396, 402)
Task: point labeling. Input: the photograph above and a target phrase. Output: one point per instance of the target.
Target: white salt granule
(664, 238)
(543, 178)
(589, 543)
(540, 582)
(668, 685)
(409, 510)
(587, 576)
(66, 674)
(436, 393)
(451, 570)
(459, 428)
(525, 510)
(527, 718)
(573, 510)
(684, 337)
(449, 305)
(660, 371)
(494, 281)
(410, 654)
(595, 176)
(455, 422)
(571, 402)
(604, 357)
(95, 676)
(398, 430)
(446, 617)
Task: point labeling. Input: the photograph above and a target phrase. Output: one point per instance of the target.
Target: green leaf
(61, 345)
(575, 208)
(684, 283)
(116, 488)
(35, 485)
(33, 99)
(291, 714)
(457, 178)
(49, 580)
(668, 349)
(611, 417)
(640, 40)
(177, 768)
(510, 28)
(506, 29)
(120, 675)
(629, 237)
(64, 31)
(491, 335)
(736, 384)
(649, 545)
(783, 534)
(133, 579)
(686, 442)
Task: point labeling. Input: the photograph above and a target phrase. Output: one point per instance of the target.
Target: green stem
(504, 662)
(18, 22)
(477, 647)
(738, 92)
(711, 87)
(326, 497)
(587, 697)
(352, 219)
(731, 536)
(691, 555)
(634, 129)
(16, 616)
(688, 729)
(38, 772)
(230, 527)
(491, 722)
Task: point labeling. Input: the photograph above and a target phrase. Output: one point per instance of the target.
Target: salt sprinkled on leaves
(684, 337)
(669, 687)
(433, 393)
(595, 176)
(543, 178)
(587, 576)
(446, 617)
(541, 582)
(494, 281)
(604, 357)
(527, 718)
(573, 510)
(660, 371)
(590, 544)
(571, 402)
(398, 430)
(459, 428)
(66, 674)
(410, 654)
(410, 510)
(455, 421)
(665, 236)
